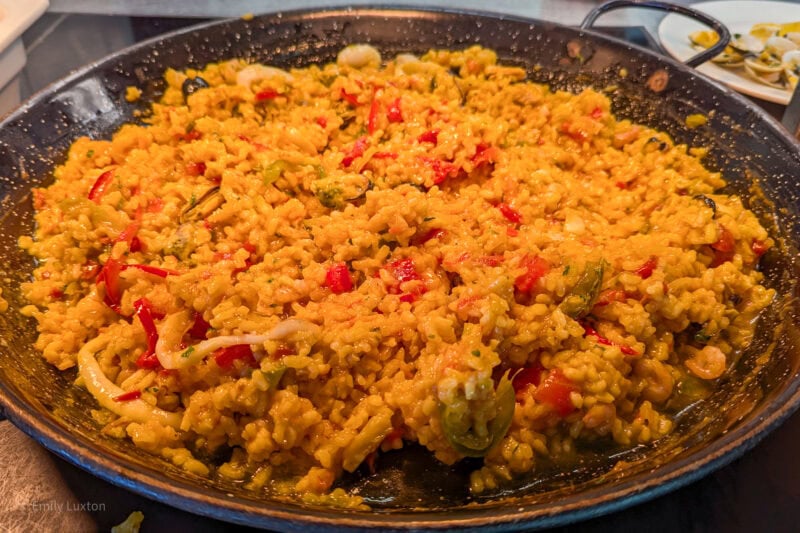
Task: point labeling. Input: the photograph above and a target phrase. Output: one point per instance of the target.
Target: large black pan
(410, 490)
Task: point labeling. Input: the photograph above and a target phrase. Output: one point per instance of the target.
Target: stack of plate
(15, 17)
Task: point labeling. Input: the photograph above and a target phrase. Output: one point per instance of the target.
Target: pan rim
(154, 485)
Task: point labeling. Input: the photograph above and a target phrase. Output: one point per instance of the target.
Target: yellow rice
(465, 171)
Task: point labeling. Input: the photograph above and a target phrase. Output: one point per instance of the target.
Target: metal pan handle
(702, 57)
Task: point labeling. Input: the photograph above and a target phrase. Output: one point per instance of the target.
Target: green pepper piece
(459, 432)
(583, 295)
(688, 390)
(273, 171)
(274, 376)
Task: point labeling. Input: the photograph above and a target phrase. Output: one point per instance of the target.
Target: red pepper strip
(611, 295)
(351, 99)
(510, 214)
(555, 391)
(627, 350)
(646, 270)
(190, 135)
(385, 155)
(144, 310)
(200, 327)
(356, 151)
(109, 276)
(156, 271)
(430, 136)
(322, 122)
(576, 135)
(338, 279)
(394, 113)
(225, 357)
(535, 268)
(490, 260)
(531, 375)
(128, 396)
(129, 233)
(596, 113)
(374, 109)
(266, 94)
(100, 186)
(441, 169)
(433, 233)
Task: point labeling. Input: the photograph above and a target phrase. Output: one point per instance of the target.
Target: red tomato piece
(759, 247)
(338, 279)
(356, 151)
(530, 375)
(725, 242)
(430, 136)
(266, 94)
(535, 268)
(555, 391)
(485, 154)
(403, 269)
(200, 327)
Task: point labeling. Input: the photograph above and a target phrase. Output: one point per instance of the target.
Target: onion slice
(104, 390)
(192, 355)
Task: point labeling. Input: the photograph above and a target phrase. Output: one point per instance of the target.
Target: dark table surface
(40, 492)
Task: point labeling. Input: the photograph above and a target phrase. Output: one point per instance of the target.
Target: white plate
(739, 17)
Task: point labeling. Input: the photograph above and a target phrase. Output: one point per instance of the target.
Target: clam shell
(747, 44)
(777, 46)
(757, 65)
(773, 79)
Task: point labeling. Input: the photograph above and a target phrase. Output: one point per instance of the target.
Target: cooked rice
(373, 251)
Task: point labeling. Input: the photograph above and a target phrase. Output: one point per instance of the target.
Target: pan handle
(702, 57)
